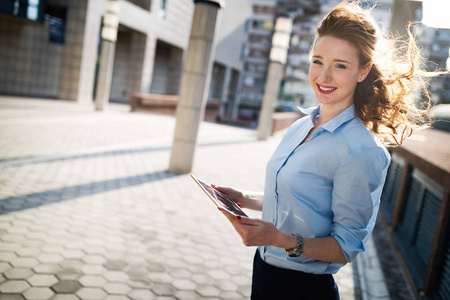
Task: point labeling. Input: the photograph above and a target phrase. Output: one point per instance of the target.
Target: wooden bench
(282, 120)
(167, 104)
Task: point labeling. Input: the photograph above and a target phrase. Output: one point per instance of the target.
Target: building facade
(260, 30)
(57, 56)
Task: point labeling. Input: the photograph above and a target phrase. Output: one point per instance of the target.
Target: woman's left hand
(255, 232)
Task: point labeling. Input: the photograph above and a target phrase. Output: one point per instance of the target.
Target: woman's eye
(341, 67)
(317, 62)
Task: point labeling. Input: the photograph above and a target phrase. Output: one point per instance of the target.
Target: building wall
(32, 66)
(29, 63)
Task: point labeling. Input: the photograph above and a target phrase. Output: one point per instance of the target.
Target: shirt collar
(346, 115)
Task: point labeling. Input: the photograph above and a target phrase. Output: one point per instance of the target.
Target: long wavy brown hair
(393, 100)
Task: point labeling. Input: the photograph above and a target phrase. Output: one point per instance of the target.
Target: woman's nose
(325, 75)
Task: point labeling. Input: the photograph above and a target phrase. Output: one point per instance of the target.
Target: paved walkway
(88, 209)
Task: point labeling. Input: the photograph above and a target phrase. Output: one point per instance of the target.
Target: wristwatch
(298, 250)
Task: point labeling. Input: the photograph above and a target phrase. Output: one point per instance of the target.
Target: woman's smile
(325, 89)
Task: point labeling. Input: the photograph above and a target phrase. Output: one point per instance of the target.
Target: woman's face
(335, 71)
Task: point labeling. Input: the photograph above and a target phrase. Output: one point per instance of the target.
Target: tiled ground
(88, 210)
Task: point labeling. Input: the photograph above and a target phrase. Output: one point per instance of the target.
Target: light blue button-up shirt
(329, 185)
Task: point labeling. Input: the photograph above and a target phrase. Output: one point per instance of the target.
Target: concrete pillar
(225, 90)
(278, 55)
(106, 64)
(271, 91)
(194, 85)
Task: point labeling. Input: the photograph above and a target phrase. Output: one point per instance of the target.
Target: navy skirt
(273, 283)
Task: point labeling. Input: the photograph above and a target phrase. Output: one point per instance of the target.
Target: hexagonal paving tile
(116, 276)
(117, 288)
(47, 269)
(65, 297)
(27, 252)
(71, 263)
(52, 248)
(245, 290)
(92, 281)
(4, 267)
(68, 274)
(42, 280)
(241, 280)
(49, 258)
(11, 247)
(160, 277)
(180, 273)
(14, 286)
(12, 237)
(11, 297)
(18, 273)
(155, 267)
(219, 275)
(38, 293)
(226, 285)
(93, 269)
(163, 289)
(232, 296)
(91, 294)
(117, 297)
(67, 286)
(184, 284)
(116, 265)
(187, 295)
(94, 259)
(24, 262)
(72, 254)
(141, 295)
(7, 256)
(208, 291)
(202, 279)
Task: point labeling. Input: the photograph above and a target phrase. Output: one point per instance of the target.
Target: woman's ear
(365, 71)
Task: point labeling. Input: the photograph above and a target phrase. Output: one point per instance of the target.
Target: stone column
(225, 90)
(278, 55)
(194, 85)
(106, 64)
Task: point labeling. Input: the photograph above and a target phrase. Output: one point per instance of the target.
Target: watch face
(294, 253)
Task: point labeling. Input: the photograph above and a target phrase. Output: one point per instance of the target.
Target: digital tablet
(220, 199)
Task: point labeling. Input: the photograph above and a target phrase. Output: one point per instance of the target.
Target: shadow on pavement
(18, 203)
(44, 159)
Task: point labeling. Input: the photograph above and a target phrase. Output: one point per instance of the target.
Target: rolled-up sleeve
(357, 187)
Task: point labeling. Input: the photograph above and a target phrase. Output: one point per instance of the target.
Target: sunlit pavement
(88, 209)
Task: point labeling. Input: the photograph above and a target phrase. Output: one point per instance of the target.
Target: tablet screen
(220, 199)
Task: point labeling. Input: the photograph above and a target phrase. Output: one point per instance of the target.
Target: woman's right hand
(250, 200)
(234, 194)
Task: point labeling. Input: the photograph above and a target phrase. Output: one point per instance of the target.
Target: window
(163, 9)
(56, 16)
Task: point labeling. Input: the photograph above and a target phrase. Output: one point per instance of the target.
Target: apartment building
(260, 30)
(54, 53)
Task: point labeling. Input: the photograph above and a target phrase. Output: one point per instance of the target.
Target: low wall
(282, 120)
(167, 104)
(416, 204)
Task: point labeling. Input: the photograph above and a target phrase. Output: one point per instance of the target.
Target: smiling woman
(324, 181)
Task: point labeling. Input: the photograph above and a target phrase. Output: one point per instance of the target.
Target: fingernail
(240, 205)
(238, 217)
(219, 208)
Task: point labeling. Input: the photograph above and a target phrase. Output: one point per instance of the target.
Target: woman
(324, 181)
